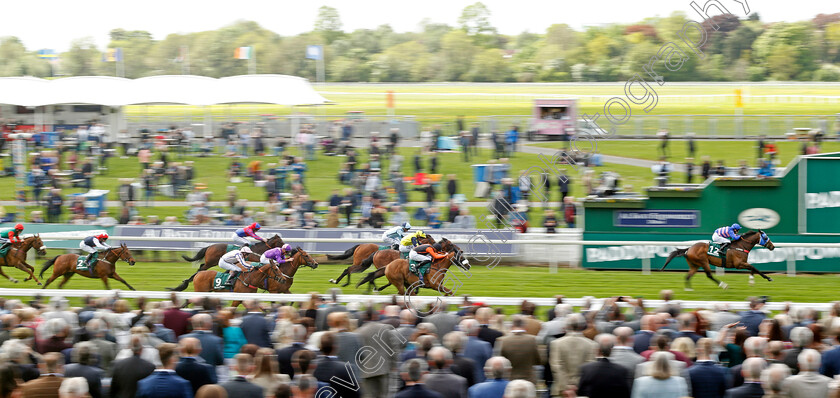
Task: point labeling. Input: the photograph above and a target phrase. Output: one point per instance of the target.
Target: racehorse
(383, 259)
(399, 275)
(365, 254)
(736, 257)
(211, 255)
(65, 265)
(16, 257)
(269, 277)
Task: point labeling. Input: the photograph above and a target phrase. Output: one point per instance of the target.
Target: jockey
(93, 245)
(726, 235)
(234, 262)
(278, 254)
(394, 235)
(423, 255)
(410, 241)
(241, 233)
(10, 236)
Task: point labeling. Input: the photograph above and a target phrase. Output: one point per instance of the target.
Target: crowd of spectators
(325, 346)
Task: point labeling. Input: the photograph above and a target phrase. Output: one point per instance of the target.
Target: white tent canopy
(174, 89)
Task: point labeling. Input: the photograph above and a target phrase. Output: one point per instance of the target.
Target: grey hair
(427, 327)
(606, 342)
(498, 368)
(469, 326)
(576, 322)
(809, 360)
(752, 368)
(440, 356)
(801, 336)
(562, 310)
(623, 334)
(73, 387)
(95, 326)
(754, 346)
(307, 382)
(520, 389)
(54, 326)
(85, 353)
(13, 349)
(455, 341)
(415, 368)
(202, 321)
(773, 378)
(299, 333)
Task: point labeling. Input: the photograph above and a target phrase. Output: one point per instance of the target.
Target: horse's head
(459, 259)
(38, 244)
(304, 257)
(274, 241)
(125, 254)
(764, 240)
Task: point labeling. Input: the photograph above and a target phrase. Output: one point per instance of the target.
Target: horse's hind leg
(756, 271)
(8, 277)
(343, 274)
(105, 281)
(53, 277)
(709, 275)
(67, 277)
(692, 268)
(119, 278)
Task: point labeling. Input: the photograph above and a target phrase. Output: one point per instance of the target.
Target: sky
(54, 24)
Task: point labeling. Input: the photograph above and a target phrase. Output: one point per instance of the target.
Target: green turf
(504, 281)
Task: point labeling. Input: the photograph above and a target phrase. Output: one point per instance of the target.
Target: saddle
(82, 264)
(231, 247)
(715, 250)
(221, 279)
(412, 267)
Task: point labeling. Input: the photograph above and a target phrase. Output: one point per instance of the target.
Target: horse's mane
(748, 234)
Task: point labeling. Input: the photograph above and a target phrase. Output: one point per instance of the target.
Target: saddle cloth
(82, 265)
(714, 250)
(220, 280)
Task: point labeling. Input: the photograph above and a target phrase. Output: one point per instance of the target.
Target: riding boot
(420, 275)
(5, 245)
(231, 280)
(724, 246)
(395, 246)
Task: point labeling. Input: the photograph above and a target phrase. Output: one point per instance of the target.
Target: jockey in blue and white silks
(726, 235)
(394, 235)
(234, 262)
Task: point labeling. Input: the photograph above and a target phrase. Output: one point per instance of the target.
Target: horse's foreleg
(348, 280)
(119, 278)
(29, 270)
(105, 281)
(345, 273)
(756, 271)
(688, 276)
(8, 277)
(67, 277)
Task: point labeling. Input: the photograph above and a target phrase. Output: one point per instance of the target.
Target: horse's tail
(198, 255)
(184, 283)
(366, 263)
(370, 277)
(47, 265)
(674, 254)
(347, 254)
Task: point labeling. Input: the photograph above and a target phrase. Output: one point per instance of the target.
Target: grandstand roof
(168, 89)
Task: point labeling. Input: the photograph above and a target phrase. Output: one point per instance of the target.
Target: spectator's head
(243, 364)
(623, 335)
(301, 361)
(328, 343)
(413, 370)
(439, 358)
(684, 345)
(801, 336)
(773, 378)
(756, 303)
(136, 344)
(266, 362)
(85, 353)
(705, 348)
(661, 365)
(754, 347)
(299, 333)
(168, 355)
(520, 389)
(498, 368)
(202, 322)
(53, 363)
(190, 347)
(575, 323)
(606, 342)
(454, 341)
(73, 387)
(751, 369)
(426, 342)
(809, 360)
(687, 322)
(660, 342)
(469, 326)
(211, 391)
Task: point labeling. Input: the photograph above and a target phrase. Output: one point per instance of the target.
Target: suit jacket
(628, 359)
(165, 334)
(176, 320)
(321, 318)
(383, 343)
(791, 359)
(444, 322)
(239, 387)
(831, 362)
(107, 352)
(45, 386)
(284, 358)
(416, 391)
(748, 390)
(566, 355)
(521, 350)
(329, 367)
(211, 346)
(348, 344)
(641, 341)
(489, 335)
(479, 351)
(197, 373)
(464, 367)
(693, 336)
(93, 375)
(807, 385)
(708, 379)
(27, 371)
(446, 383)
(489, 389)
(391, 320)
(127, 372)
(164, 384)
(406, 332)
(751, 319)
(603, 378)
(257, 329)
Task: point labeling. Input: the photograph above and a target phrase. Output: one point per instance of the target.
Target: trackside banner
(482, 242)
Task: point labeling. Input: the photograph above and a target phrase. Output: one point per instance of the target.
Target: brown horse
(269, 277)
(211, 255)
(736, 257)
(365, 254)
(16, 257)
(399, 275)
(65, 265)
(383, 258)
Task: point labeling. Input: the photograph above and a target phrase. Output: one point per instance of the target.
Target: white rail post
(791, 265)
(645, 265)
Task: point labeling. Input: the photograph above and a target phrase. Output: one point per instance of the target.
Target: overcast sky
(54, 23)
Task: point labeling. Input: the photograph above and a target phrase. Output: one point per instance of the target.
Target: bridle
(123, 250)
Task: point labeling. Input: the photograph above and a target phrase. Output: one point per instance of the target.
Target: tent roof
(169, 89)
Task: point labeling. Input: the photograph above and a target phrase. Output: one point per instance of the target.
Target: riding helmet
(437, 247)
(736, 226)
(287, 247)
(406, 226)
(102, 236)
(245, 249)
(256, 226)
(19, 227)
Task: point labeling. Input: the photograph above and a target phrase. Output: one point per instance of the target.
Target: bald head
(190, 346)
(407, 317)
(809, 360)
(469, 326)
(751, 369)
(754, 346)
(483, 314)
(498, 368)
(623, 335)
(439, 358)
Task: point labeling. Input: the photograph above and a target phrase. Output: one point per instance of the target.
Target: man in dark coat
(603, 378)
(189, 367)
(128, 372)
(334, 372)
(256, 327)
(84, 354)
(212, 344)
(239, 386)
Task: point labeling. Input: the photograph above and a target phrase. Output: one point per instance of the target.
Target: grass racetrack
(502, 281)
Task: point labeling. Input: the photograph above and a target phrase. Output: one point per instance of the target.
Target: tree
(81, 59)
(135, 45)
(456, 51)
(790, 45)
(328, 24)
(475, 20)
(489, 66)
(782, 63)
